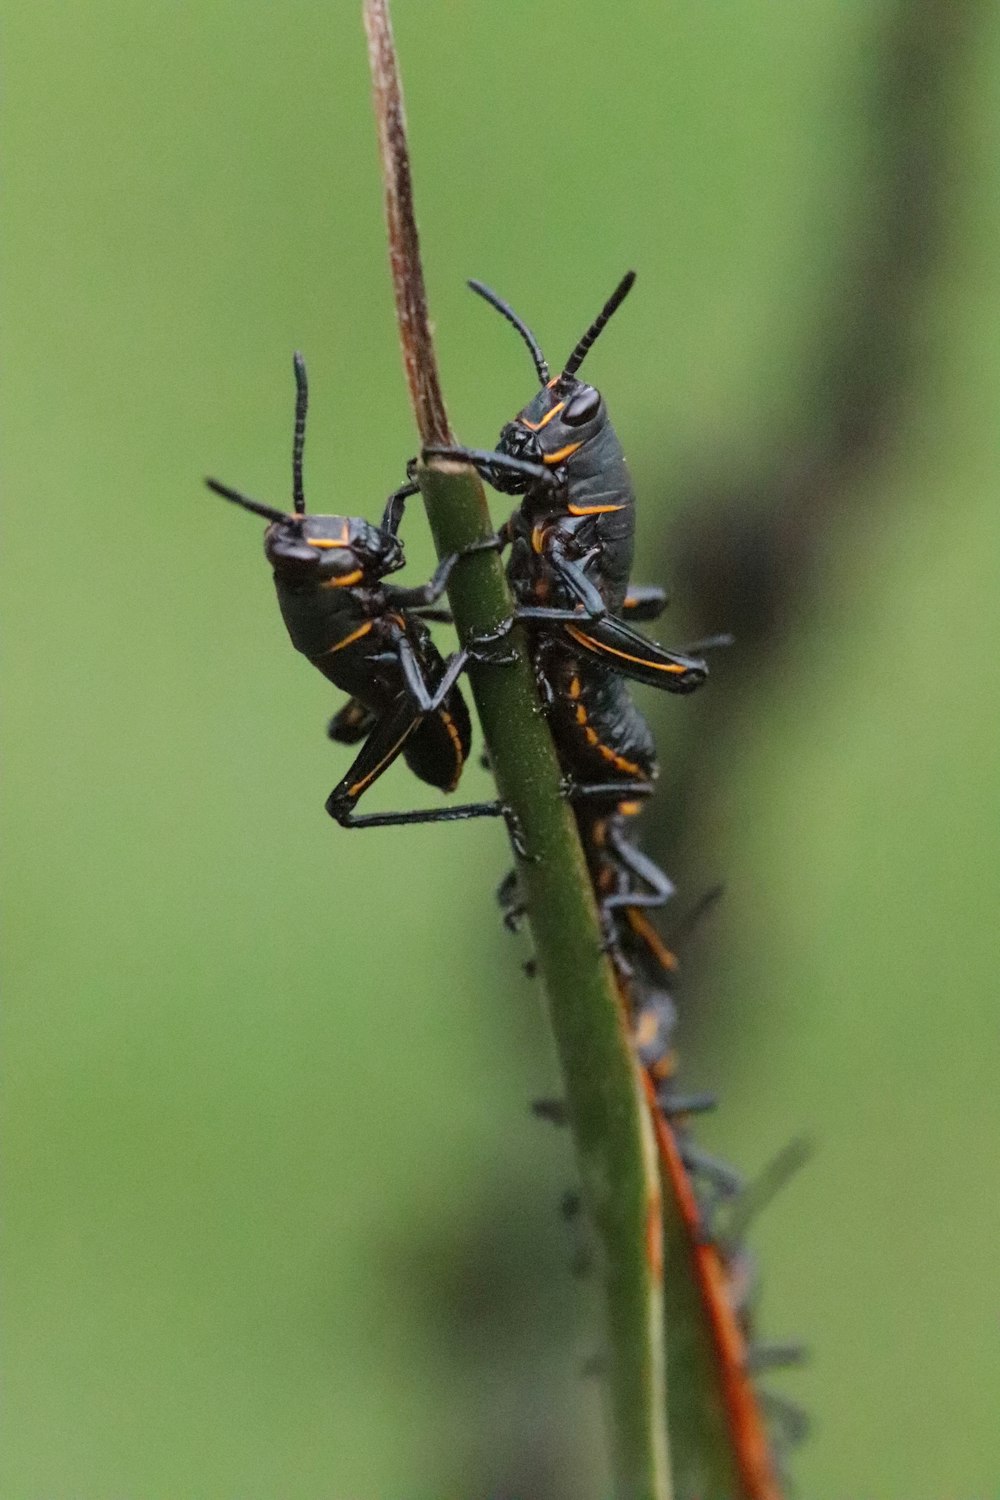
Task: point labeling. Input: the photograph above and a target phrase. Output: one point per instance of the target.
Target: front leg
(493, 466)
(392, 516)
(429, 593)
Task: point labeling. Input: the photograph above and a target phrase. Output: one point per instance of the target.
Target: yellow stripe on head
(345, 582)
(561, 453)
(537, 426)
(343, 540)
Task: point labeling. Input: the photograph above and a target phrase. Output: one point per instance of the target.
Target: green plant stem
(613, 1141)
(611, 1130)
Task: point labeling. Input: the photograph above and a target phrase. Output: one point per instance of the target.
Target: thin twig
(404, 244)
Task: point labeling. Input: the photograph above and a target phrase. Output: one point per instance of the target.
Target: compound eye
(286, 548)
(581, 407)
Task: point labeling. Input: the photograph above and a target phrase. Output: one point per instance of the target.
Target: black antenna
(490, 296)
(267, 511)
(299, 441)
(612, 305)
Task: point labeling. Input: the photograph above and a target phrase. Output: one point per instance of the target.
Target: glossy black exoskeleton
(369, 638)
(572, 538)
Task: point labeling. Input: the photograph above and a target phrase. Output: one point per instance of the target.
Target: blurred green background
(278, 1223)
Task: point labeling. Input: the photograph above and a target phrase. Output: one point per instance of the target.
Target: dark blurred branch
(746, 554)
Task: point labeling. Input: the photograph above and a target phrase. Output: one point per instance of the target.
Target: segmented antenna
(267, 511)
(299, 440)
(490, 296)
(612, 305)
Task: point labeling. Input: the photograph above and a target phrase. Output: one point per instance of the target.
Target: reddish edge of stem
(749, 1437)
(747, 1431)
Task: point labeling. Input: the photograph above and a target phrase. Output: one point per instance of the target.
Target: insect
(571, 554)
(369, 638)
(572, 539)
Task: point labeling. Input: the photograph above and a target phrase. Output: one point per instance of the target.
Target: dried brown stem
(404, 245)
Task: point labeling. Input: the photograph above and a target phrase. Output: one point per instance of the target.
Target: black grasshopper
(369, 638)
(572, 539)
